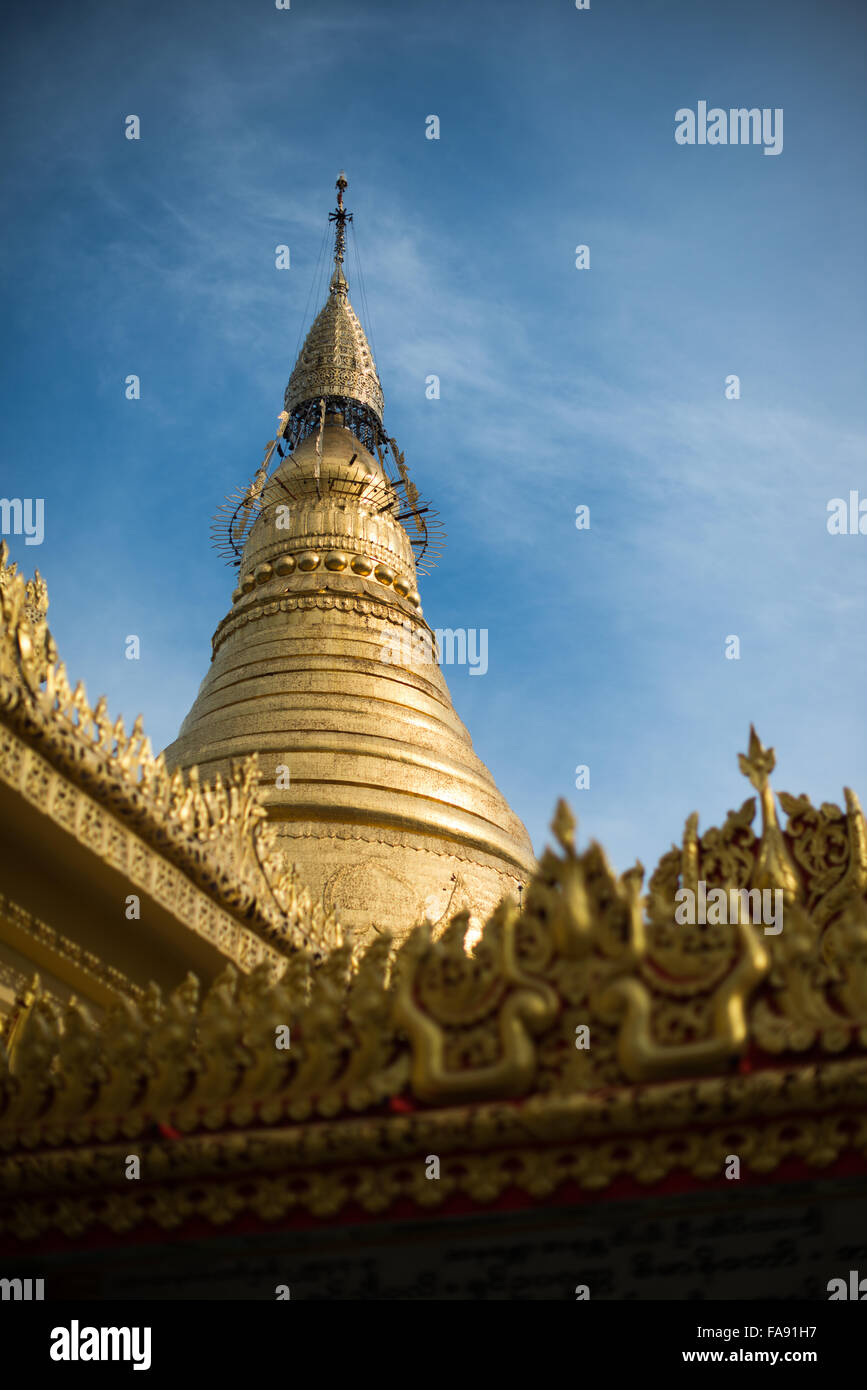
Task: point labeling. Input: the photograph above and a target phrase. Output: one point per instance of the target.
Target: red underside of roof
(569, 1194)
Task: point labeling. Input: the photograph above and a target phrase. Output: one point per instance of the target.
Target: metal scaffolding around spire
(334, 381)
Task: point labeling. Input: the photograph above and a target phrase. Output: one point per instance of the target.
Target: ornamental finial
(339, 217)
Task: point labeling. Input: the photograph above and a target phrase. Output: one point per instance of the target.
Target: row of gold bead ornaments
(335, 561)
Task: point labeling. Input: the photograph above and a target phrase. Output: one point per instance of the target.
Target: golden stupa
(326, 668)
(210, 1090)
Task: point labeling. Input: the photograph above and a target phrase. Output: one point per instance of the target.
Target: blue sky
(559, 387)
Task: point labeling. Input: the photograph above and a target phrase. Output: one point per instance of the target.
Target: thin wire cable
(317, 276)
(365, 307)
(325, 270)
(367, 310)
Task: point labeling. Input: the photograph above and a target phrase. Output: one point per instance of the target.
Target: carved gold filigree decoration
(214, 832)
(335, 359)
(586, 989)
(439, 1025)
(270, 1171)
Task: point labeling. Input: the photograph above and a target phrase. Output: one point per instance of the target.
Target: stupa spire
(339, 217)
(336, 364)
(326, 668)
